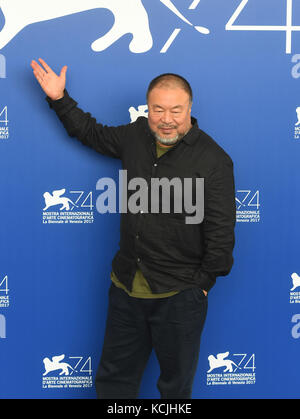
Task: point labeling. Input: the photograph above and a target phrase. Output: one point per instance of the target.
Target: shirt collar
(192, 134)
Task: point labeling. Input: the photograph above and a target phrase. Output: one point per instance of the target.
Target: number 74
(288, 28)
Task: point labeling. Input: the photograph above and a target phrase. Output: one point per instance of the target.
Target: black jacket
(171, 254)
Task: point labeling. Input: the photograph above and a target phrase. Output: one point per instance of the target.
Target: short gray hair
(171, 79)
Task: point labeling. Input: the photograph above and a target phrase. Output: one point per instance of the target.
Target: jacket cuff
(204, 280)
(63, 105)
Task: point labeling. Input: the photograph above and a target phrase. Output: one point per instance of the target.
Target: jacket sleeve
(218, 224)
(104, 139)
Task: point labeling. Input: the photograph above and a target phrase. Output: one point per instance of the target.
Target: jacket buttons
(138, 259)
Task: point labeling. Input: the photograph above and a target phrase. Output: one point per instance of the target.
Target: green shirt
(140, 286)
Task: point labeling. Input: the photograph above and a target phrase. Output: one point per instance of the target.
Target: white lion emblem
(296, 281)
(298, 115)
(130, 16)
(134, 113)
(220, 361)
(57, 199)
(55, 364)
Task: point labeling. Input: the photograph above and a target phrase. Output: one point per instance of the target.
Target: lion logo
(134, 113)
(57, 199)
(298, 116)
(296, 281)
(130, 17)
(56, 364)
(220, 361)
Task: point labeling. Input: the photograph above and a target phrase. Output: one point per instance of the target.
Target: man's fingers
(38, 77)
(39, 70)
(45, 65)
(36, 71)
(64, 71)
(36, 66)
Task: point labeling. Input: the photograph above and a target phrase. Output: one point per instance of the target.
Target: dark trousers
(172, 326)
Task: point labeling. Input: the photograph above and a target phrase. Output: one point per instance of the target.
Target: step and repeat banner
(242, 59)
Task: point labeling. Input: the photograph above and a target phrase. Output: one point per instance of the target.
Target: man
(165, 266)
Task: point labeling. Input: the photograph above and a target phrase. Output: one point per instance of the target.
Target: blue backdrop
(242, 60)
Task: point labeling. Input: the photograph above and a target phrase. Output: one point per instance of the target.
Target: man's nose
(167, 117)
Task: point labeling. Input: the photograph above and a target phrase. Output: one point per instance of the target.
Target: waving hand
(52, 84)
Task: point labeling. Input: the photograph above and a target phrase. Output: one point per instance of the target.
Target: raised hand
(52, 84)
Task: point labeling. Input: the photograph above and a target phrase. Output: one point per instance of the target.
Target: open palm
(52, 84)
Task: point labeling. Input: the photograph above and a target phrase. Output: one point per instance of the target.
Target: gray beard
(167, 141)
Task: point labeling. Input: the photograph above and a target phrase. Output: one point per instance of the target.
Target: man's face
(169, 113)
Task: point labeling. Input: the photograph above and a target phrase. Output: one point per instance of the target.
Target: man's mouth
(167, 130)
